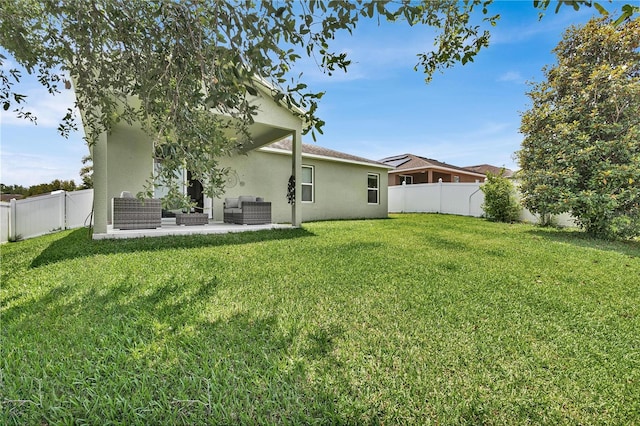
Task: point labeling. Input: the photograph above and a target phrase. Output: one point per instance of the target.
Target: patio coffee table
(189, 219)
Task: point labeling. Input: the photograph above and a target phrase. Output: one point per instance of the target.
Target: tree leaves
(180, 59)
(581, 150)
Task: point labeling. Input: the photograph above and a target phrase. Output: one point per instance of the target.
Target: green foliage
(489, 324)
(500, 198)
(13, 189)
(170, 64)
(86, 172)
(41, 188)
(581, 150)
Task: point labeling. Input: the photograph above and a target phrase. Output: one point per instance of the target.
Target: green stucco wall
(129, 161)
(340, 188)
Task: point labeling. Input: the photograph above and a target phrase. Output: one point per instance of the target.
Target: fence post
(12, 220)
(440, 195)
(65, 200)
(404, 196)
(60, 194)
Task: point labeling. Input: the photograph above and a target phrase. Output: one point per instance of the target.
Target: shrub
(500, 199)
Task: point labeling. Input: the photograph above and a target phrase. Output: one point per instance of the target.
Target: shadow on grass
(79, 243)
(165, 358)
(581, 239)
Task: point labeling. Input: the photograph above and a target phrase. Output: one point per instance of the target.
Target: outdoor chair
(132, 213)
(247, 210)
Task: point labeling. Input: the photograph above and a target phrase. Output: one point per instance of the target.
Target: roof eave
(326, 158)
(413, 169)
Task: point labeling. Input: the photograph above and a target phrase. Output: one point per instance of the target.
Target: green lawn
(417, 319)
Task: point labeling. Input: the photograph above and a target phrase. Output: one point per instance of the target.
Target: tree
(54, 185)
(86, 172)
(500, 199)
(581, 147)
(183, 59)
(13, 189)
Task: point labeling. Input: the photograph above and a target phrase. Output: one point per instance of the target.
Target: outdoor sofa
(131, 213)
(247, 210)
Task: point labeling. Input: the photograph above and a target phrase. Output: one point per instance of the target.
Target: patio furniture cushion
(230, 203)
(245, 198)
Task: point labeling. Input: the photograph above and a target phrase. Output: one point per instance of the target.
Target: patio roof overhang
(273, 121)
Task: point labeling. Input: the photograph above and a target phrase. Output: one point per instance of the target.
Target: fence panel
(78, 208)
(38, 215)
(456, 198)
(4, 221)
(452, 198)
(422, 197)
(44, 214)
(464, 199)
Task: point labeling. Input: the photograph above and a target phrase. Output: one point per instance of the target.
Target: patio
(169, 227)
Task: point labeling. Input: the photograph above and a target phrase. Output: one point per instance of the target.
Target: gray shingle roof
(285, 145)
(411, 161)
(484, 168)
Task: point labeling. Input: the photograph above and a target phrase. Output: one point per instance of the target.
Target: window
(372, 188)
(456, 179)
(406, 179)
(307, 184)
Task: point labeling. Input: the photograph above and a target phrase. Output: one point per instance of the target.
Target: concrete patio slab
(169, 227)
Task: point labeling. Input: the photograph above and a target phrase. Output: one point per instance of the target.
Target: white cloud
(32, 169)
(375, 52)
(512, 76)
(49, 109)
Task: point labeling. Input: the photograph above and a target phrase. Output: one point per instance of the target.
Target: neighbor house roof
(323, 153)
(484, 168)
(8, 197)
(407, 162)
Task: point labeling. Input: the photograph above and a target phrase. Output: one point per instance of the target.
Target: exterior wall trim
(325, 158)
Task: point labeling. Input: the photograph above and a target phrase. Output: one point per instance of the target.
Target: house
(412, 169)
(484, 168)
(9, 197)
(328, 185)
(335, 185)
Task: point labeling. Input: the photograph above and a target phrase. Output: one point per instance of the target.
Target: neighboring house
(335, 185)
(412, 169)
(9, 197)
(341, 186)
(484, 168)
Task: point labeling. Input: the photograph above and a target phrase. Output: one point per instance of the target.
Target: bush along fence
(35, 216)
(464, 199)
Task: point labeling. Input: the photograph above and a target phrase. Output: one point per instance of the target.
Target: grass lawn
(417, 319)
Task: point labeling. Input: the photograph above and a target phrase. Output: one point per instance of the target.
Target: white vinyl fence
(44, 214)
(452, 198)
(463, 199)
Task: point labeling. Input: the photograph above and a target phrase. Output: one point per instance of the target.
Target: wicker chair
(247, 210)
(132, 213)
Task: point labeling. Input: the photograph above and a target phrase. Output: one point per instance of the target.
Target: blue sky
(381, 107)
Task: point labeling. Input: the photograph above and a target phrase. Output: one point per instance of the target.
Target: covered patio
(123, 161)
(169, 227)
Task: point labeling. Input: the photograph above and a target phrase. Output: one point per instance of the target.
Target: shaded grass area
(418, 319)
